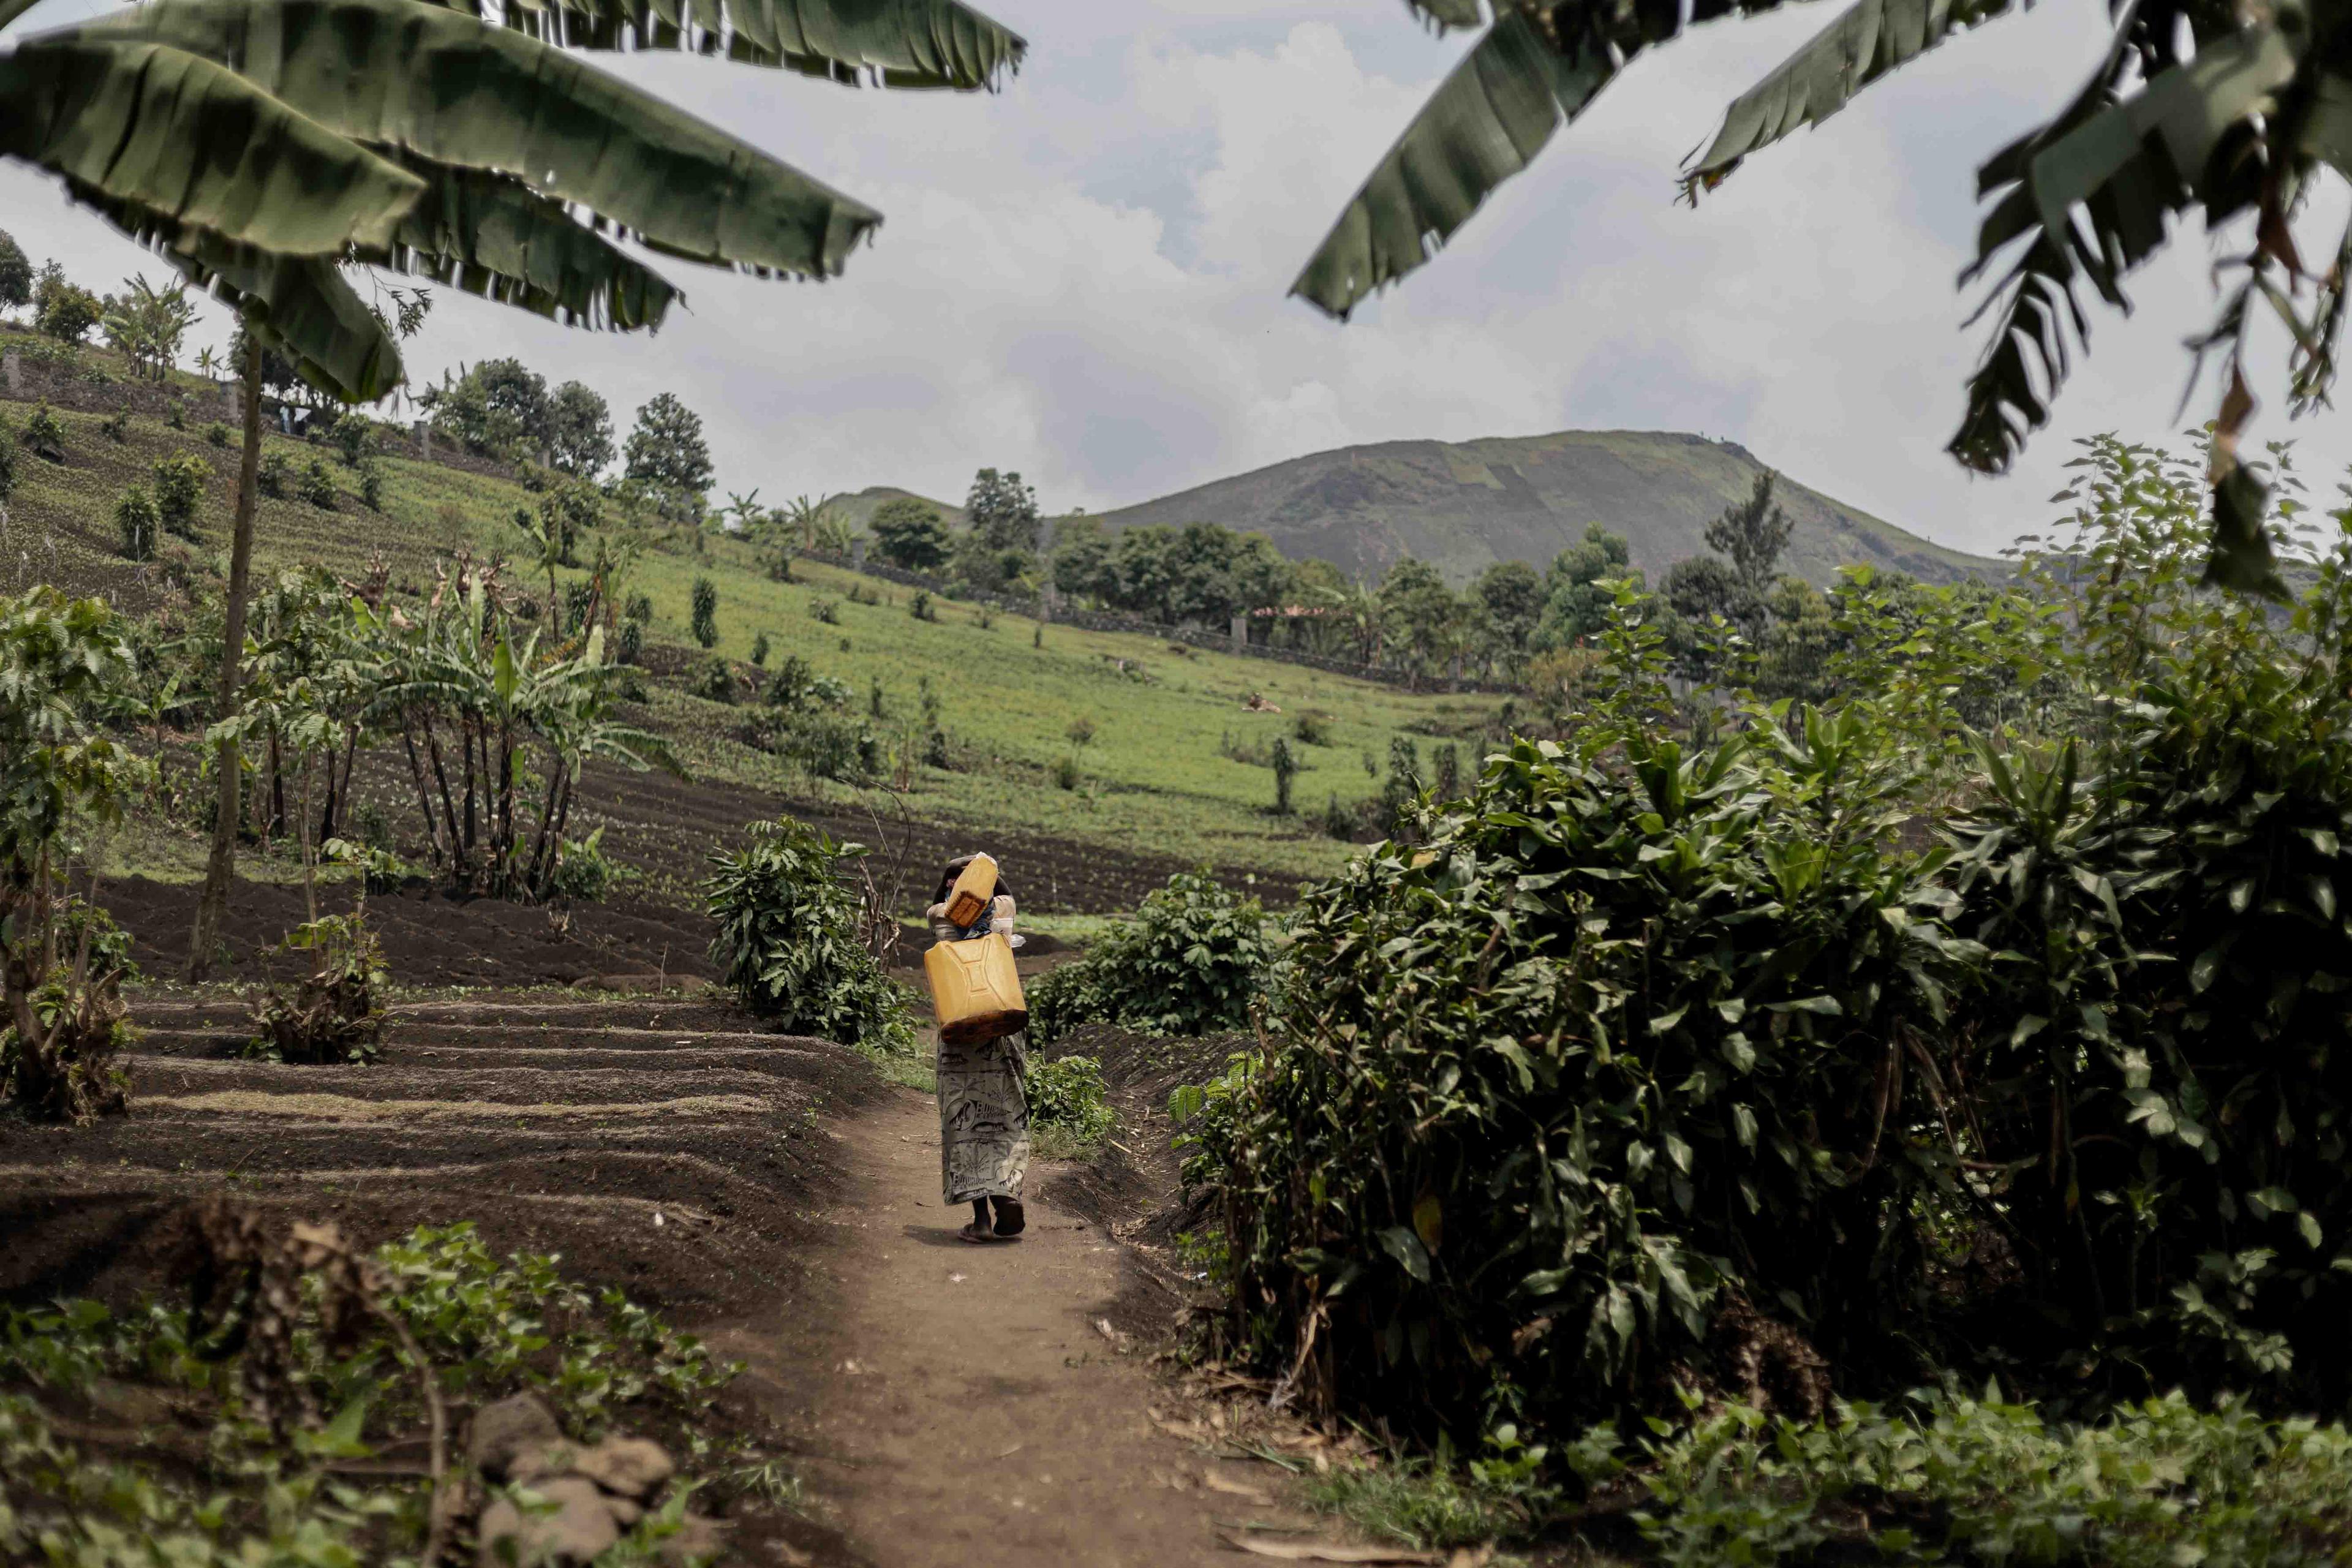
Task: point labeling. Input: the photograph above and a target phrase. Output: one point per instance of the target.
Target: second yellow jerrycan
(975, 990)
(974, 887)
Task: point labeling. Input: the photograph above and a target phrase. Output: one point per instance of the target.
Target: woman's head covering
(955, 867)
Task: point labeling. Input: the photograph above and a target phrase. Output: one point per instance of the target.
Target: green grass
(1155, 776)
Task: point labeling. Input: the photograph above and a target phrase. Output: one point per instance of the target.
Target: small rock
(700, 1538)
(542, 1462)
(628, 1466)
(580, 1527)
(503, 1430)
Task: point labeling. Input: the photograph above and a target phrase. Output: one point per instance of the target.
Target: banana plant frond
(1446, 15)
(1485, 124)
(300, 306)
(900, 43)
(304, 309)
(1874, 39)
(447, 88)
(174, 134)
(494, 236)
(2094, 193)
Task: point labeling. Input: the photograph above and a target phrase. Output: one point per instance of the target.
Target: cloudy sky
(1082, 276)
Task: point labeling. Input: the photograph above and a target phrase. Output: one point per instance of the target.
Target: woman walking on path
(984, 1093)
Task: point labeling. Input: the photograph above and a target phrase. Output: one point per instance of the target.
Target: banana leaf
(903, 43)
(1872, 40)
(445, 88)
(174, 134)
(1485, 124)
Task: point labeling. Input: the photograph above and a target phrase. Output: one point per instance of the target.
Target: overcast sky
(1082, 276)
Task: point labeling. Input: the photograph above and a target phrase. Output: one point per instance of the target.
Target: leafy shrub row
(1190, 963)
(1656, 1066)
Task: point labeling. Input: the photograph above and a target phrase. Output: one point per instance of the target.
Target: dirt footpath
(970, 1409)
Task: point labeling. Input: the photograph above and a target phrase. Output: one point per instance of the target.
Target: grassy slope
(1465, 504)
(1154, 775)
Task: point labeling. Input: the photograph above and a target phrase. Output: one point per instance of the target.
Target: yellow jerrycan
(974, 887)
(975, 990)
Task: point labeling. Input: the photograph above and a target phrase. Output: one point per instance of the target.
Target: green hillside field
(1162, 773)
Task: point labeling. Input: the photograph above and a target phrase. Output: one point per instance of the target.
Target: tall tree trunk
(466, 737)
(274, 826)
(535, 877)
(339, 795)
(448, 807)
(424, 796)
(220, 865)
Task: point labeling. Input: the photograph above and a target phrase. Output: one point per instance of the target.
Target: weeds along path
(970, 1410)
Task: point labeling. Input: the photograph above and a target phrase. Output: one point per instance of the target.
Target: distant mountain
(1462, 505)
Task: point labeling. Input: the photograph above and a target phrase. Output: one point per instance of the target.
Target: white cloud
(1083, 278)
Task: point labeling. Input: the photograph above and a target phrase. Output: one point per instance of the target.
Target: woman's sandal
(1010, 1220)
(977, 1234)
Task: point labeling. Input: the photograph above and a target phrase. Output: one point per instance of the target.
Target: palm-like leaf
(178, 136)
(441, 86)
(1874, 38)
(300, 306)
(1485, 124)
(494, 236)
(905, 43)
(2092, 195)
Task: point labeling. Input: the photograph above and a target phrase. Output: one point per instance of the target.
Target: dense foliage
(1191, 963)
(269, 1453)
(65, 665)
(792, 938)
(1665, 1061)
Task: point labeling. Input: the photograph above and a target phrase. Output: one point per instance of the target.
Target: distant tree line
(1513, 621)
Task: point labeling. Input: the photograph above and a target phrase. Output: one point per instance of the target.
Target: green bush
(276, 475)
(1069, 1106)
(1560, 1072)
(2165, 1094)
(117, 426)
(1190, 963)
(716, 683)
(583, 872)
(216, 434)
(45, 433)
(706, 612)
(7, 462)
(631, 644)
(372, 484)
(354, 437)
(180, 482)
(336, 1012)
(790, 942)
(822, 742)
(760, 651)
(318, 485)
(1941, 1477)
(135, 523)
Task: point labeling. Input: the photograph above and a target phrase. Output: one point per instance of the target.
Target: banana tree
(2236, 110)
(268, 148)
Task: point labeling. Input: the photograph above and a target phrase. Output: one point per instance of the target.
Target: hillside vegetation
(1123, 741)
(1463, 505)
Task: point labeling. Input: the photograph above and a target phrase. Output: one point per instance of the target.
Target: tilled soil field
(431, 939)
(658, 1145)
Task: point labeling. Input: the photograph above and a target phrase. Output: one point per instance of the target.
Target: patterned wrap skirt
(983, 1119)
